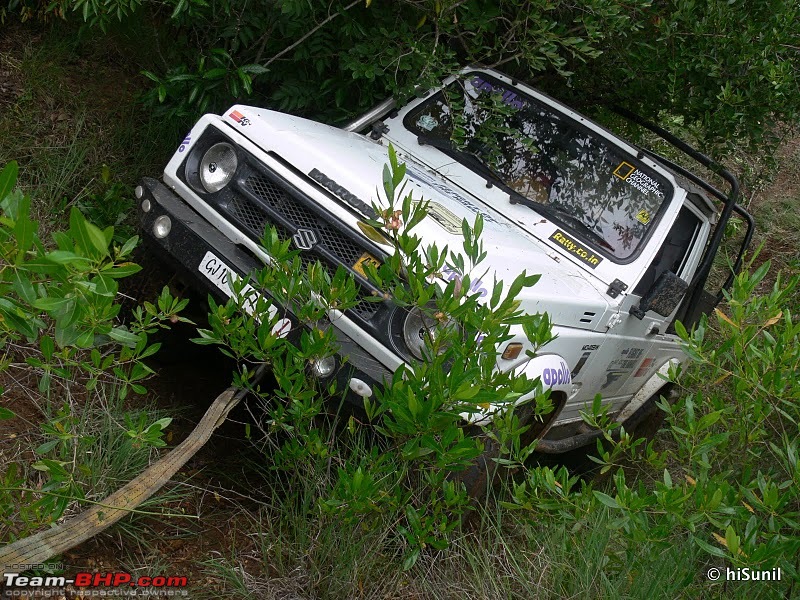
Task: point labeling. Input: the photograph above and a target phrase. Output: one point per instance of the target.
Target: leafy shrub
(726, 70)
(727, 481)
(58, 317)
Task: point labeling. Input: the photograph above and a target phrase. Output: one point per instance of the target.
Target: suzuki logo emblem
(305, 239)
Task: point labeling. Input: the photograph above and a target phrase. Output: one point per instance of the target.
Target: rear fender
(657, 381)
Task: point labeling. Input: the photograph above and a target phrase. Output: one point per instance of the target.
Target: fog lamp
(162, 226)
(360, 388)
(323, 367)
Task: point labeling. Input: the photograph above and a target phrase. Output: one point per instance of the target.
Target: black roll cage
(695, 303)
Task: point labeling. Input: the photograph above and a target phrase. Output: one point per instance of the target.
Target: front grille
(275, 198)
(248, 214)
(262, 202)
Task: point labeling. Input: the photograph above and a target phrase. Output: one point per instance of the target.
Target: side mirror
(663, 297)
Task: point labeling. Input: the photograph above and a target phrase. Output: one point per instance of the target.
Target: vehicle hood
(570, 296)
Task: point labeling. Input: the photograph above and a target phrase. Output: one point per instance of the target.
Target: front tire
(485, 472)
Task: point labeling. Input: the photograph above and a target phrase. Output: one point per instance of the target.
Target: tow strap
(38, 548)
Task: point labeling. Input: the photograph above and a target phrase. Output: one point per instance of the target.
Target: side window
(673, 253)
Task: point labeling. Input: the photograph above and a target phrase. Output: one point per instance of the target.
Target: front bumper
(189, 240)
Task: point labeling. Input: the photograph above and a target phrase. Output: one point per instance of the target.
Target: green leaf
(8, 178)
(24, 228)
(732, 540)
(6, 414)
(65, 257)
(25, 326)
(79, 231)
(24, 287)
(713, 550)
(97, 238)
(254, 69)
(388, 183)
(46, 447)
(124, 337)
(86, 339)
(411, 560)
(161, 424)
(215, 73)
(179, 8)
(50, 304)
(606, 499)
(129, 246)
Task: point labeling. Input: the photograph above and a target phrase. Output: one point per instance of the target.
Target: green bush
(727, 481)
(59, 319)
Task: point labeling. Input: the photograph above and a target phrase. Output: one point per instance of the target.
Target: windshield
(545, 160)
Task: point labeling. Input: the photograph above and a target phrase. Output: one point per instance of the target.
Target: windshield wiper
(470, 160)
(576, 223)
(552, 211)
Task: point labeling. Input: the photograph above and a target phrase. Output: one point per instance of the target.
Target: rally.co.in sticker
(575, 248)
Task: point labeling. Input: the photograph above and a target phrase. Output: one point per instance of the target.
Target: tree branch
(309, 34)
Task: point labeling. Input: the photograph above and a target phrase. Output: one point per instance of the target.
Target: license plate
(365, 258)
(221, 275)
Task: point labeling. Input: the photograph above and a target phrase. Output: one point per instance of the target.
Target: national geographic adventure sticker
(575, 248)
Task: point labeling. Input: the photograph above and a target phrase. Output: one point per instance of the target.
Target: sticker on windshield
(575, 248)
(643, 217)
(633, 176)
(508, 97)
(427, 122)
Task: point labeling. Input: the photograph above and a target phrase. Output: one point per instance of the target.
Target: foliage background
(725, 69)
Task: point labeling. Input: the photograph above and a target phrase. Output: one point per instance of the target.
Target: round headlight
(417, 327)
(218, 166)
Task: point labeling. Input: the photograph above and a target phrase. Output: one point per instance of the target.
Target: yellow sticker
(643, 217)
(624, 170)
(366, 257)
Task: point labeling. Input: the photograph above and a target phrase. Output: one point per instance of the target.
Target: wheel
(484, 472)
(646, 421)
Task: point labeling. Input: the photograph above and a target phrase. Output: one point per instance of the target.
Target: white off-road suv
(624, 239)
